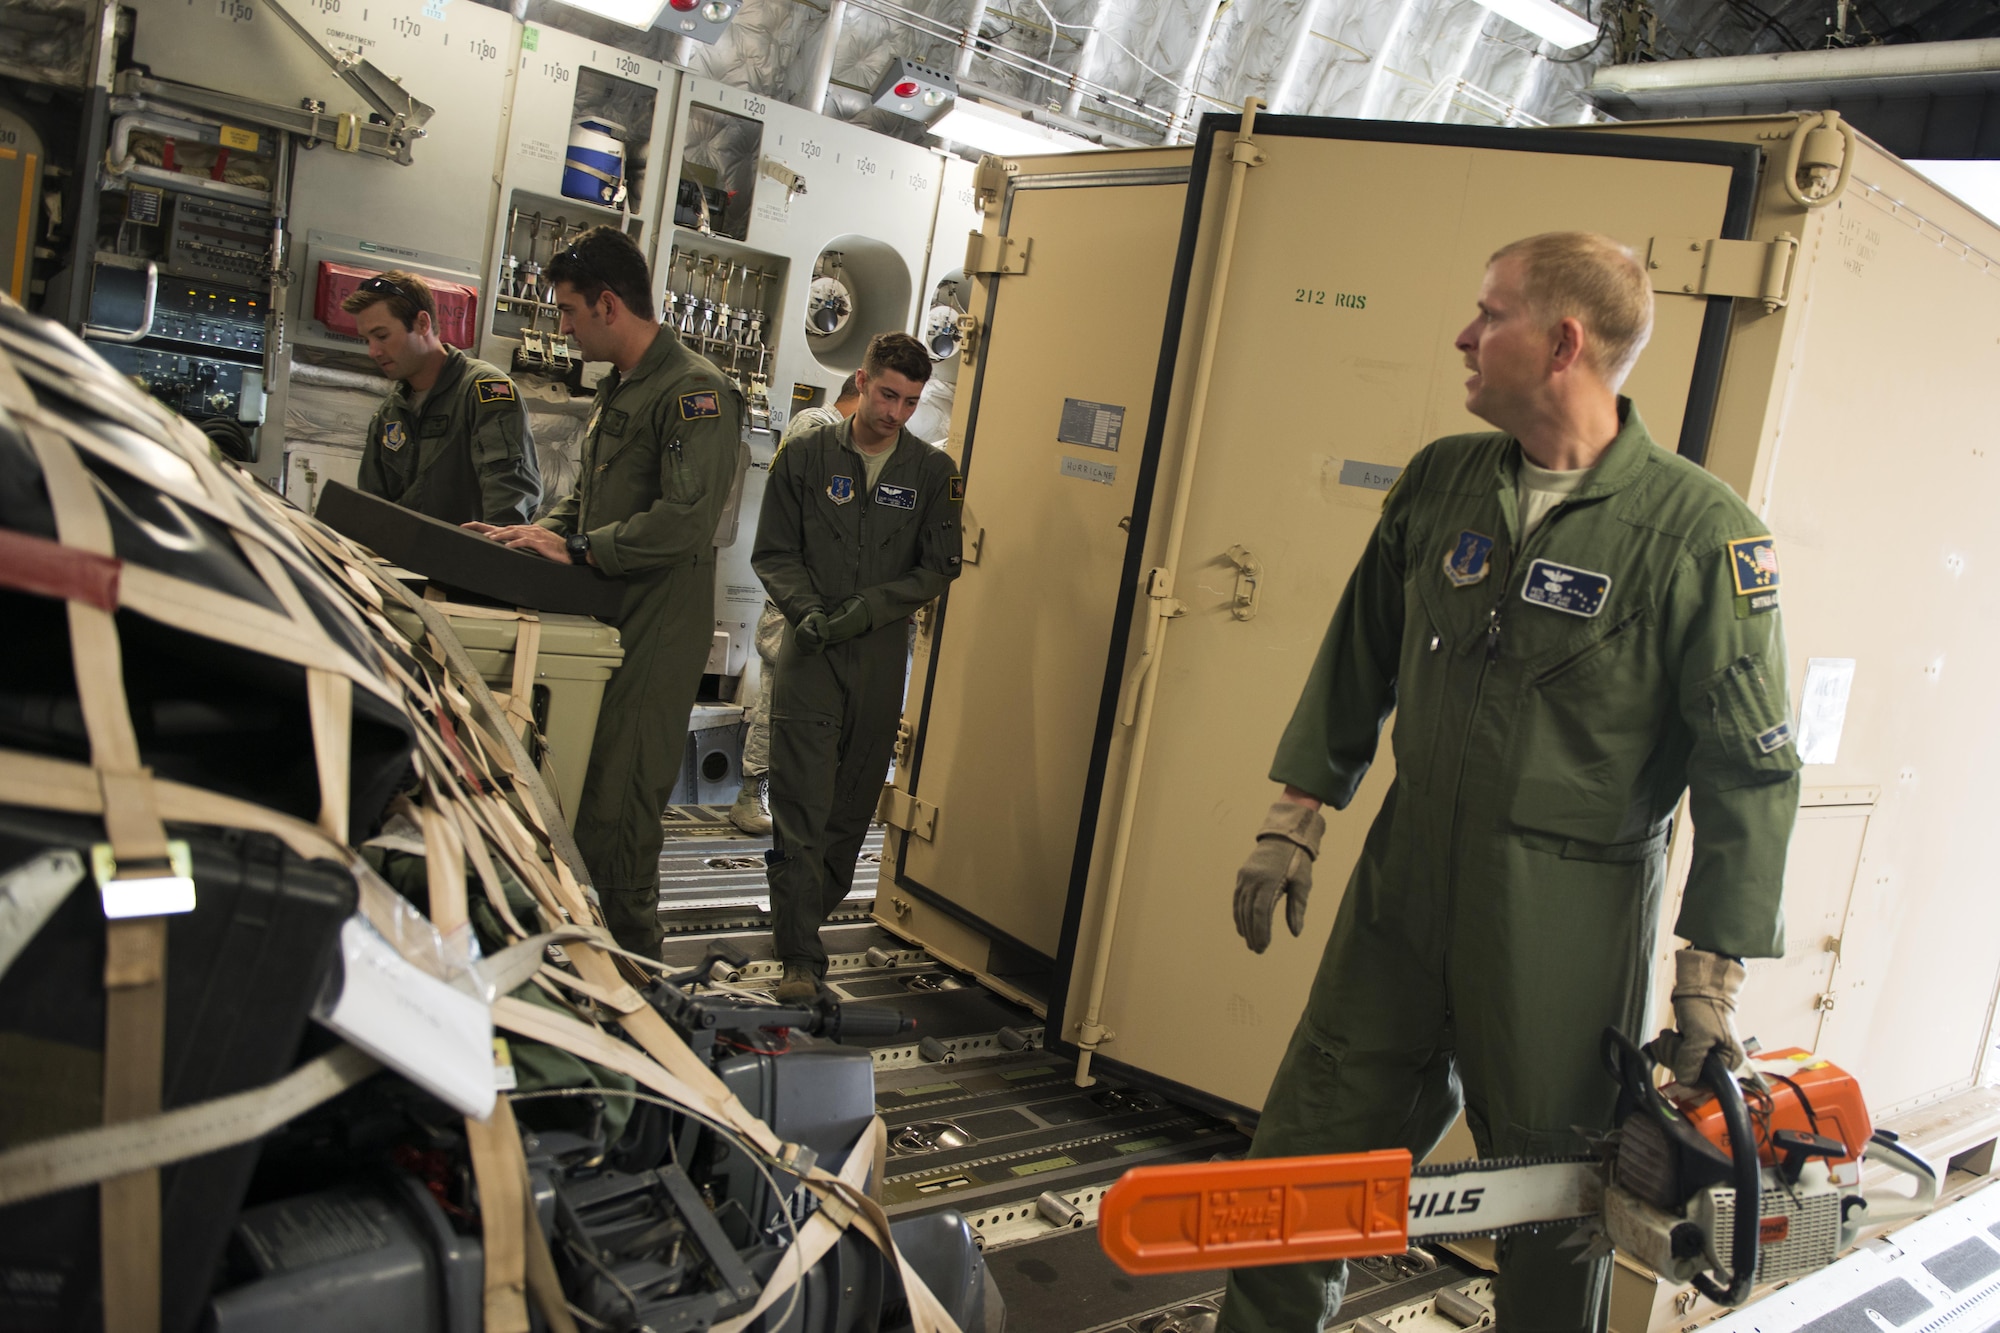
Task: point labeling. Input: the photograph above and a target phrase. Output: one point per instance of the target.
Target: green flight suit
(1553, 700)
(822, 538)
(465, 456)
(661, 454)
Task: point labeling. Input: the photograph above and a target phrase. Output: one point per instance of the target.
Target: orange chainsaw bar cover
(1283, 1210)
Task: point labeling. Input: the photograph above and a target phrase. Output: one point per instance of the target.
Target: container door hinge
(989, 181)
(996, 256)
(899, 809)
(1752, 270)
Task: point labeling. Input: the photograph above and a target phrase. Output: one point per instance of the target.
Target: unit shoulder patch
(896, 497)
(840, 489)
(394, 436)
(700, 406)
(1466, 563)
(1753, 562)
(958, 489)
(496, 390)
(1565, 588)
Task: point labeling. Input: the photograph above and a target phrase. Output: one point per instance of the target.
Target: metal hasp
(1179, 1219)
(402, 117)
(1249, 576)
(1756, 270)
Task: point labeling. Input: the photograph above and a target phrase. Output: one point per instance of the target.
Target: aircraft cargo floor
(983, 1119)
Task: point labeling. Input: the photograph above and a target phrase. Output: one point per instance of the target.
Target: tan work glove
(1705, 989)
(1281, 863)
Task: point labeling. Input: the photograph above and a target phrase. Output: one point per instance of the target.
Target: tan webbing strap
(330, 700)
(501, 1170)
(89, 1156)
(135, 964)
(521, 692)
(444, 864)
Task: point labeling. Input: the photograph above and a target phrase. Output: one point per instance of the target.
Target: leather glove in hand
(811, 632)
(850, 621)
(1281, 864)
(1705, 990)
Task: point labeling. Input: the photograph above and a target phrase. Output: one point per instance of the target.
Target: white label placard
(1823, 707)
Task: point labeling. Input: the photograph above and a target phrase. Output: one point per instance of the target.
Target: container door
(1004, 699)
(1357, 258)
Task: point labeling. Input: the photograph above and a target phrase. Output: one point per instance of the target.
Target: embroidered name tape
(1565, 588)
(840, 489)
(394, 436)
(1467, 562)
(896, 497)
(495, 391)
(432, 428)
(1754, 562)
(698, 406)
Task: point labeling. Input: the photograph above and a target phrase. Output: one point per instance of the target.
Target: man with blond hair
(1574, 627)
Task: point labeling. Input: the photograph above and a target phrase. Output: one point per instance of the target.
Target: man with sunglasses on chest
(1573, 628)
(451, 440)
(663, 457)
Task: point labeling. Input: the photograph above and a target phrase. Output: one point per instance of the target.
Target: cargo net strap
(479, 801)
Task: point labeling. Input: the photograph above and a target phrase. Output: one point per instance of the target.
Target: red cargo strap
(35, 564)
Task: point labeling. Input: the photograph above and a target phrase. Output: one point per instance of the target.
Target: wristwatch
(578, 546)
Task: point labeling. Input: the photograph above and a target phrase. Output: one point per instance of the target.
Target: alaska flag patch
(1466, 563)
(394, 436)
(840, 489)
(496, 391)
(700, 406)
(1577, 592)
(896, 497)
(1754, 562)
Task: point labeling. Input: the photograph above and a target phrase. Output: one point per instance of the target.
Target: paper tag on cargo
(1104, 474)
(431, 1033)
(1823, 707)
(1093, 425)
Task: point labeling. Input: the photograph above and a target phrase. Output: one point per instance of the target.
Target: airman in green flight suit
(1573, 627)
(451, 439)
(663, 458)
(860, 528)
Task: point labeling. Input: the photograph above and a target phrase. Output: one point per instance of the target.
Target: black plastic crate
(242, 971)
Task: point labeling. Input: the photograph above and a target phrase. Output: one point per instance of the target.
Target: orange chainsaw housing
(1176, 1219)
(1803, 1079)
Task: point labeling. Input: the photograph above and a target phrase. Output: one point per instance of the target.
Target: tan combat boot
(752, 811)
(799, 986)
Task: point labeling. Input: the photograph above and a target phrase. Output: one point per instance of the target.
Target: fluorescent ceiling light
(1560, 26)
(633, 13)
(1002, 133)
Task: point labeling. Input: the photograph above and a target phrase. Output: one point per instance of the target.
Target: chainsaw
(1716, 1184)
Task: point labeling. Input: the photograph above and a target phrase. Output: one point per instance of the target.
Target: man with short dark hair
(451, 440)
(1573, 628)
(859, 530)
(663, 459)
(752, 810)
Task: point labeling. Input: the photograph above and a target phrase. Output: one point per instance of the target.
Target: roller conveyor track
(982, 1119)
